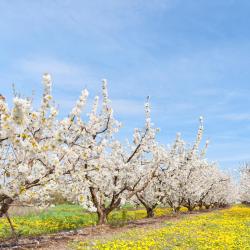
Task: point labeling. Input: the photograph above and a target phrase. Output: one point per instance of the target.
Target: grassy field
(67, 217)
(220, 229)
(224, 229)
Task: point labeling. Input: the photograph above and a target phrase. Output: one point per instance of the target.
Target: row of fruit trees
(80, 157)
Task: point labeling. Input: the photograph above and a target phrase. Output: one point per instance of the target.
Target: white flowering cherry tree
(165, 187)
(186, 178)
(219, 191)
(179, 164)
(28, 148)
(152, 196)
(98, 171)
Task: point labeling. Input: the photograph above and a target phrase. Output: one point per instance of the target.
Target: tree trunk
(102, 217)
(6, 202)
(5, 206)
(176, 209)
(150, 212)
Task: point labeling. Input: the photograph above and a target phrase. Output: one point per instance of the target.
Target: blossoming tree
(186, 178)
(99, 172)
(81, 157)
(28, 148)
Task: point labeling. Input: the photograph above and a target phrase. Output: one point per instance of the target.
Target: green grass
(67, 217)
(59, 218)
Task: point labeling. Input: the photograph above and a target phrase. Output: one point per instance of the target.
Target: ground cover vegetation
(222, 229)
(69, 217)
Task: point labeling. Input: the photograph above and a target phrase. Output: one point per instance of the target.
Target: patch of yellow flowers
(67, 218)
(38, 226)
(224, 229)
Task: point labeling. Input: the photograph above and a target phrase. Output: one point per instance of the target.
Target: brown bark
(176, 209)
(149, 209)
(150, 212)
(5, 205)
(200, 206)
(102, 211)
(12, 227)
(102, 217)
(190, 208)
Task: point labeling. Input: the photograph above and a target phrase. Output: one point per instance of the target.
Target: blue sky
(191, 56)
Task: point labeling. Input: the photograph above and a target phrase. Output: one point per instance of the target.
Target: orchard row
(80, 157)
